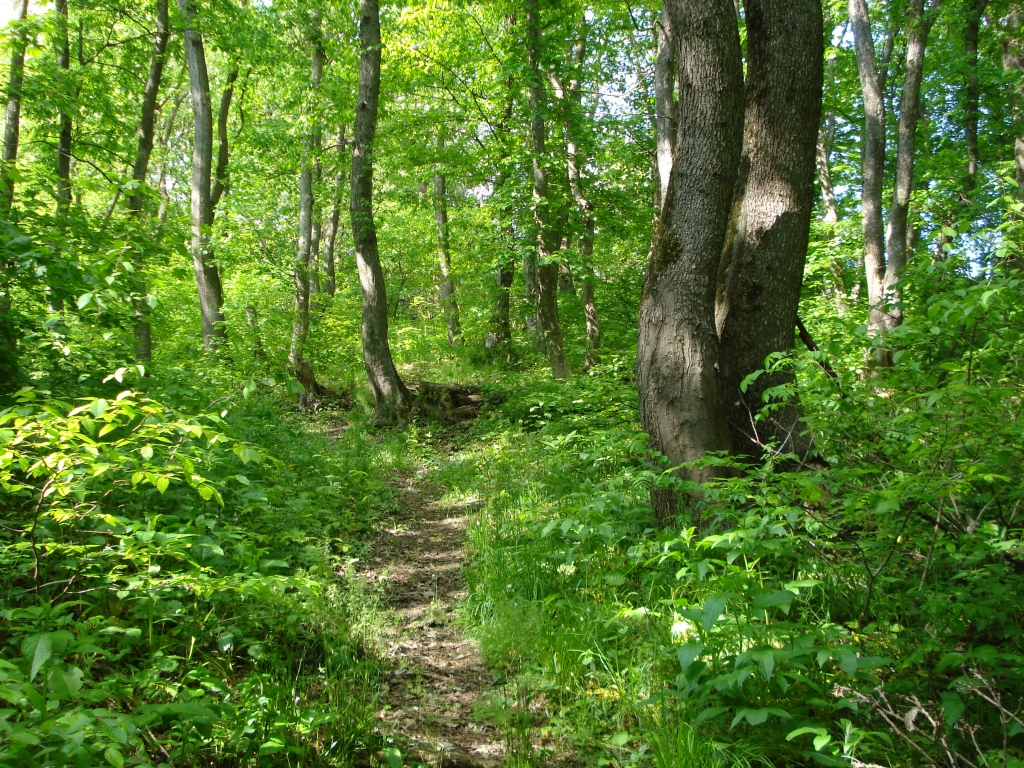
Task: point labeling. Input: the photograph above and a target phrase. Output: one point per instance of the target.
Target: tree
(300, 324)
(885, 251)
(730, 230)
(140, 170)
(9, 363)
(448, 301)
(390, 394)
(549, 236)
(208, 283)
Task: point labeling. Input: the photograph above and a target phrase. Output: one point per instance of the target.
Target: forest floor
(428, 702)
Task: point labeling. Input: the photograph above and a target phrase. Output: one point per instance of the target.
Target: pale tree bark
(823, 164)
(317, 230)
(664, 103)
(389, 391)
(10, 369)
(449, 304)
(762, 267)
(548, 235)
(300, 323)
(872, 164)
(681, 398)
(208, 284)
(140, 171)
(1013, 61)
(331, 240)
(906, 141)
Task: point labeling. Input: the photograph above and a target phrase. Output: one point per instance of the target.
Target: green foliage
(161, 606)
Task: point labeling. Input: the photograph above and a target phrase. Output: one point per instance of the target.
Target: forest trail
(427, 705)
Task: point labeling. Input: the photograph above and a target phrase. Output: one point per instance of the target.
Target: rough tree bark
(447, 286)
(389, 391)
(331, 241)
(300, 323)
(548, 236)
(762, 267)
(681, 405)
(140, 171)
(10, 370)
(221, 180)
(211, 295)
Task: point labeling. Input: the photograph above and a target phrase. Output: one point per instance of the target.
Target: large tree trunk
(448, 302)
(10, 370)
(763, 260)
(873, 165)
(140, 170)
(906, 139)
(300, 323)
(389, 391)
(211, 295)
(548, 236)
(681, 405)
(664, 103)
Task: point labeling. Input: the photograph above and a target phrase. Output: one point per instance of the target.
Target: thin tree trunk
(12, 123)
(873, 165)
(317, 230)
(300, 324)
(1013, 60)
(681, 402)
(763, 260)
(664, 103)
(583, 204)
(165, 143)
(548, 237)
(389, 391)
(448, 302)
(330, 276)
(10, 369)
(830, 214)
(910, 111)
(221, 182)
(140, 171)
(972, 93)
(64, 139)
(211, 295)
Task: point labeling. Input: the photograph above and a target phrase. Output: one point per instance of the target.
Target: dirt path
(428, 702)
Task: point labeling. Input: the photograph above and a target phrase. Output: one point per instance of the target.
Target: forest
(526, 383)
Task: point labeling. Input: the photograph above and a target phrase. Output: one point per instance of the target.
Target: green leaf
(709, 713)
(620, 739)
(821, 741)
(392, 757)
(806, 729)
(162, 482)
(83, 300)
(98, 407)
(37, 648)
(952, 708)
(774, 600)
(688, 654)
(65, 681)
(147, 452)
(847, 660)
(713, 608)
